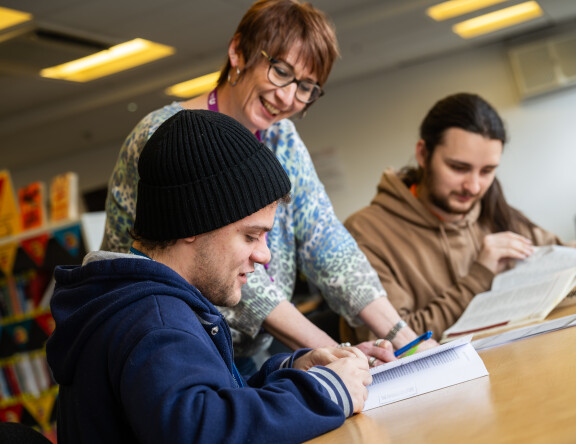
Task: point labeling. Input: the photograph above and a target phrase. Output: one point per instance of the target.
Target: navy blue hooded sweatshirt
(141, 356)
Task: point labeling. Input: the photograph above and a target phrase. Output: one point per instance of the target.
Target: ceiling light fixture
(194, 87)
(115, 59)
(11, 17)
(454, 8)
(496, 20)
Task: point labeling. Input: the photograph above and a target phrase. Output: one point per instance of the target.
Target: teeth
(270, 108)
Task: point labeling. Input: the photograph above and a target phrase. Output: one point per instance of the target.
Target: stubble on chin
(229, 297)
(444, 204)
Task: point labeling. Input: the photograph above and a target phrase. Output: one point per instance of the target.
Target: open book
(424, 372)
(525, 294)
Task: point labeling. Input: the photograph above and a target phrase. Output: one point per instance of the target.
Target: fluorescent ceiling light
(194, 87)
(11, 17)
(498, 19)
(117, 58)
(454, 8)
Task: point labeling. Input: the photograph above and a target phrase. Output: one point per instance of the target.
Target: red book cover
(36, 284)
(15, 301)
(11, 378)
(32, 205)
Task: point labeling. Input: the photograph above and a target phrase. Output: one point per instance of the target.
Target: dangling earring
(237, 77)
(302, 113)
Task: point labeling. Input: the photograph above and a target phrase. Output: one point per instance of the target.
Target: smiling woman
(278, 60)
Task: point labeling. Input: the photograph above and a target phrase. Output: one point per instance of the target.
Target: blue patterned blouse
(306, 236)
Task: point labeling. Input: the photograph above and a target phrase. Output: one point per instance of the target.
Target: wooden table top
(529, 396)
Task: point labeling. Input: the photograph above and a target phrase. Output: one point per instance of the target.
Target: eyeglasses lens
(281, 75)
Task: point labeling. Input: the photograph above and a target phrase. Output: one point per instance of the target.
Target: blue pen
(414, 343)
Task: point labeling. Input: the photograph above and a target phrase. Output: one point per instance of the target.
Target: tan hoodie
(427, 266)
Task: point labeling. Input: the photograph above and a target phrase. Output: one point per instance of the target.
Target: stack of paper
(449, 364)
(525, 332)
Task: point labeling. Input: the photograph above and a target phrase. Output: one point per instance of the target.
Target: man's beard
(443, 202)
(217, 288)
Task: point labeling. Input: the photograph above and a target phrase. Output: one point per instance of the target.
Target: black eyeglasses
(281, 74)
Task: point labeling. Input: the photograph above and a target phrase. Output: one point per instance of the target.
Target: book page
(521, 304)
(433, 369)
(544, 261)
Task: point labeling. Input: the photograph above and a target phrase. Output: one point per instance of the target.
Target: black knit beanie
(200, 171)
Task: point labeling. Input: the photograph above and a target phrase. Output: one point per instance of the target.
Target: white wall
(372, 123)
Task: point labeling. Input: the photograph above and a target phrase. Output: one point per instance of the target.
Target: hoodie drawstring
(446, 250)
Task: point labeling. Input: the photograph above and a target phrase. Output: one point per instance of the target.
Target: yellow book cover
(32, 202)
(9, 217)
(64, 197)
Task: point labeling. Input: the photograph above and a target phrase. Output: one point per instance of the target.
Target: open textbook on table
(449, 364)
(525, 294)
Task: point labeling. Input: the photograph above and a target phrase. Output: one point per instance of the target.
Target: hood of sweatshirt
(395, 195)
(85, 296)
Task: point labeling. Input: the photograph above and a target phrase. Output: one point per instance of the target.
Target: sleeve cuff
(335, 388)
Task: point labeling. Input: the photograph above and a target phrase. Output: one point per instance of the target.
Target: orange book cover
(31, 199)
(64, 197)
(9, 216)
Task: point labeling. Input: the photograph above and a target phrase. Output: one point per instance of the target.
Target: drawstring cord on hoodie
(443, 239)
(446, 247)
(474, 240)
(446, 250)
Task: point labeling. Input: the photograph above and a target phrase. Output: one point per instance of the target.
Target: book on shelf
(64, 197)
(523, 295)
(12, 383)
(9, 215)
(32, 204)
(41, 370)
(25, 373)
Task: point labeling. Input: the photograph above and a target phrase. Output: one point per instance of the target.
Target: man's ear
(189, 240)
(421, 153)
(234, 53)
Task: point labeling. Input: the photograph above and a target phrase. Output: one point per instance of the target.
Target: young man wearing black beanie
(139, 350)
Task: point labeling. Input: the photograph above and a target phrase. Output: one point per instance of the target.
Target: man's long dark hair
(471, 113)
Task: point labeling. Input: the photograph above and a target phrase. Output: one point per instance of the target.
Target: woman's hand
(377, 352)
